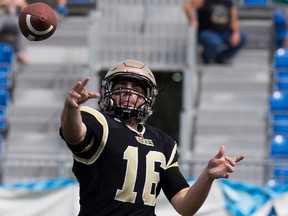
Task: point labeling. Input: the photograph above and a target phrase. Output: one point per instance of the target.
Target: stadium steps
(260, 33)
(253, 12)
(232, 111)
(232, 105)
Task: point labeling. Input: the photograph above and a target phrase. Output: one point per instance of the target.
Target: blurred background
(242, 105)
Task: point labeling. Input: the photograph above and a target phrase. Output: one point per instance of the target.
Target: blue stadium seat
(6, 77)
(5, 69)
(279, 22)
(279, 102)
(80, 1)
(1, 144)
(4, 124)
(281, 58)
(4, 97)
(279, 147)
(6, 53)
(3, 112)
(280, 79)
(279, 124)
(279, 157)
(255, 2)
(279, 18)
(280, 173)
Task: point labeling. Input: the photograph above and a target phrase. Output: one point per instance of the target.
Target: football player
(120, 162)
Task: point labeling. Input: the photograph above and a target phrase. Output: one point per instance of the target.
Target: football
(37, 21)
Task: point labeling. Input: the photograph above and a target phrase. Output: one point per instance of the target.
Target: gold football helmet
(134, 71)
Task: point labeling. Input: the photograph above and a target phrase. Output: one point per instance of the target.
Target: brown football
(37, 21)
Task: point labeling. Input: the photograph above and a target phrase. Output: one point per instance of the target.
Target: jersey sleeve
(95, 139)
(173, 181)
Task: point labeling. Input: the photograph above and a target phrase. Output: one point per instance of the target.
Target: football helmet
(134, 71)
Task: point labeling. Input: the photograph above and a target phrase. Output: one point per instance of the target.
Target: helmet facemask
(142, 111)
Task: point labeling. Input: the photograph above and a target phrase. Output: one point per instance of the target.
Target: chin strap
(125, 113)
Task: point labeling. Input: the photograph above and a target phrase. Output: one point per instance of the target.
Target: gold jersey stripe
(101, 119)
(173, 165)
(169, 163)
(87, 147)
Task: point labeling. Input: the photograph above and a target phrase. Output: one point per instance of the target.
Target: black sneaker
(221, 61)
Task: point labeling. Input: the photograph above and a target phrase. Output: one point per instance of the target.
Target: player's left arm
(235, 26)
(189, 200)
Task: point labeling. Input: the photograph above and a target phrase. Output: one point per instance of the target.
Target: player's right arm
(73, 129)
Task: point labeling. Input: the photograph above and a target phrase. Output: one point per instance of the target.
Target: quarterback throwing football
(120, 162)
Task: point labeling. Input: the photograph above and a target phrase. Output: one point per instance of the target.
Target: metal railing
(24, 168)
(256, 171)
(20, 168)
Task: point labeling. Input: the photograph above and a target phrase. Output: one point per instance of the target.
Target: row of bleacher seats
(7, 66)
(254, 3)
(278, 117)
(278, 102)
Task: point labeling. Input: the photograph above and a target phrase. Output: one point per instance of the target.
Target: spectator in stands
(122, 163)
(9, 10)
(62, 9)
(218, 28)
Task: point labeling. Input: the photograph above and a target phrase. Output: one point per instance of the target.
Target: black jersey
(120, 171)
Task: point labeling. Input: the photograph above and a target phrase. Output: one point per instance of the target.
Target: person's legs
(230, 52)
(10, 25)
(211, 42)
